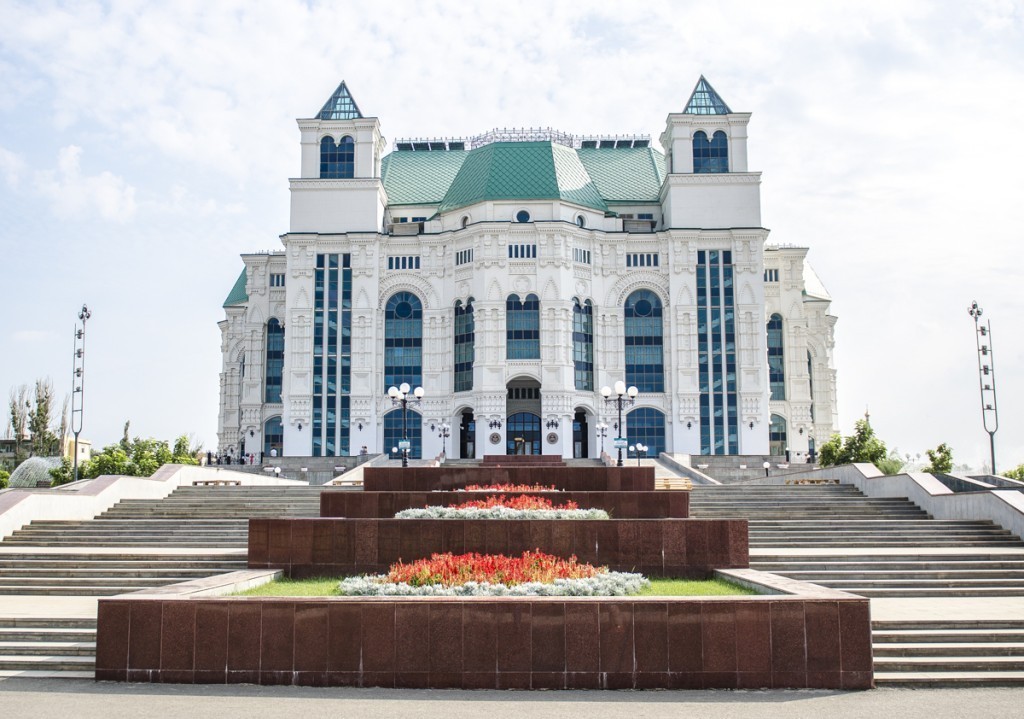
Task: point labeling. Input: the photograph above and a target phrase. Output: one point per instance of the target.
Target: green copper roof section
(627, 174)
(522, 171)
(420, 178)
(237, 294)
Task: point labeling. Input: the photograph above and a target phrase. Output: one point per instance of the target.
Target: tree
(861, 446)
(893, 464)
(1015, 473)
(137, 457)
(19, 406)
(4, 476)
(40, 417)
(940, 460)
(63, 474)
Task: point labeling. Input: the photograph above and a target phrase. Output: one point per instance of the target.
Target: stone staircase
(47, 647)
(890, 549)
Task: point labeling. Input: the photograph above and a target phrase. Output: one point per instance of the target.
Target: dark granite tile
(540, 535)
(479, 637)
(178, 637)
(629, 506)
(112, 625)
(244, 626)
(412, 543)
(385, 680)
(412, 638)
(519, 537)
(389, 540)
(144, 635)
(679, 505)
(279, 542)
(585, 541)
(629, 544)
(412, 680)
(652, 680)
(754, 680)
(739, 544)
(177, 676)
(697, 553)
(582, 636)
(143, 676)
(496, 537)
(343, 535)
(312, 629)
(378, 638)
(344, 637)
(616, 636)
(789, 645)
(242, 676)
(651, 543)
(453, 537)
(685, 680)
(753, 637)
(513, 680)
(719, 680)
(561, 542)
(824, 680)
(547, 680)
(855, 636)
(277, 642)
(607, 541)
(302, 540)
(345, 679)
(673, 542)
(582, 680)
(446, 636)
(480, 680)
(513, 622)
(259, 542)
(474, 535)
(111, 675)
(211, 676)
(650, 630)
(310, 679)
(719, 637)
(212, 620)
(685, 637)
(445, 680)
(789, 680)
(364, 540)
(823, 648)
(619, 680)
(548, 637)
(322, 548)
(857, 680)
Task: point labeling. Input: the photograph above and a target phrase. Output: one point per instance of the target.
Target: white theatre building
(512, 275)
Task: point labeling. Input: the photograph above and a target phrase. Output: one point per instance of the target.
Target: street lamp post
(78, 382)
(623, 397)
(602, 432)
(400, 398)
(444, 432)
(986, 377)
(640, 450)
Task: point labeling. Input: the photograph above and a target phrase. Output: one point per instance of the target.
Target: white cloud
(11, 167)
(29, 336)
(73, 193)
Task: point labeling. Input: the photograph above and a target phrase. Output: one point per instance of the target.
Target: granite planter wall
(659, 504)
(577, 479)
(655, 547)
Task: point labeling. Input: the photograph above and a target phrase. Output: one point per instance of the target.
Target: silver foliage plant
(606, 584)
(500, 513)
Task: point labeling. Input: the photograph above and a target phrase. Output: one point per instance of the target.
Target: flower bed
(503, 507)
(508, 488)
(532, 574)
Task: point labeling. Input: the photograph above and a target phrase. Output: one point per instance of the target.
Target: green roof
(420, 178)
(237, 294)
(522, 171)
(590, 177)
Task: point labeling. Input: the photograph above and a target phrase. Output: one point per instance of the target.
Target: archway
(580, 434)
(523, 426)
(467, 435)
(777, 435)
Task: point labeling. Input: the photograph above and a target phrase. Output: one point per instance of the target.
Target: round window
(522, 216)
(581, 221)
(403, 310)
(643, 308)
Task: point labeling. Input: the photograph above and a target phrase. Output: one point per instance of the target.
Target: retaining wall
(576, 479)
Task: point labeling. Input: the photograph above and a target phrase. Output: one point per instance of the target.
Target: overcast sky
(144, 146)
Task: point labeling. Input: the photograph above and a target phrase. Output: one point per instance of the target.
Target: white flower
(606, 584)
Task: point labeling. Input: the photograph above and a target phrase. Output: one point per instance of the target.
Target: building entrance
(523, 426)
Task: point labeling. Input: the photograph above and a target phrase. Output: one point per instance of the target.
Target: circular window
(522, 216)
(403, 310)
(581, 221)
(643, 308)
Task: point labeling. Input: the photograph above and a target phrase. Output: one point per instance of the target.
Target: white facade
(445, 222)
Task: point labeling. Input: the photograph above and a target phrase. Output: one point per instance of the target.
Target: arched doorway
(580, 435)
(777, 435)
(467, 435)
(524, 426)
(273, 436)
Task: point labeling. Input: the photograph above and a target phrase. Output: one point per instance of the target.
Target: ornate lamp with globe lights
(623, 398)
(400, 398)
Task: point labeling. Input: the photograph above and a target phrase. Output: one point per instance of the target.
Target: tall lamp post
(986, 377)
(444, 432)
(623, 397)
(400, 398)
(640, 450)
(602, 432)
(78, 381)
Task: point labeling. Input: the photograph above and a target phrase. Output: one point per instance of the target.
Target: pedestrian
(261, 457)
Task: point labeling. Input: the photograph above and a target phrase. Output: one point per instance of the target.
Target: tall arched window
(337, 160)
(777, 435)
(647, 426)
(522, 327)
(583, 343)
(524, 426)
(465, 336)
(403, 340)
(776, 358)
(710, 156)
(810, 382)
(393, 432)
(275, 361)
(645, 364)
(273, 436)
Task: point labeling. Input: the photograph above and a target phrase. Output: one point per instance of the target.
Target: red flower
(517, 502)
(450, 570)
(509, 488)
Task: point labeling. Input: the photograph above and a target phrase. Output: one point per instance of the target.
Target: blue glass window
(646, 425)
(710, 156)
(525, 426)
(776, 358)
(716, 353)
(332, 355)
(810, 384)
(645, 364)
(403, 340)
(583, 344)
(337, 160)
(777, 435)
(275, 361)
(522, 327)
(465, 336)
(522, 216)
(393, 432)
(273, 436)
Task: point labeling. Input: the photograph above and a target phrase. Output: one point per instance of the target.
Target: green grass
(328, 587)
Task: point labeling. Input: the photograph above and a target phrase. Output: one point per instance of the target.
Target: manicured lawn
(328, 586)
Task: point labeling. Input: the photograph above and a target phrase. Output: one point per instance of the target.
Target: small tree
(1015, 473)
(861, 446)
(940, 460)
(893, 464)
(4, 476)
(63, 474)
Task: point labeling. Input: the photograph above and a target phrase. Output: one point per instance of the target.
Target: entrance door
(467, 436)
(526, 427)
(777, 435)
(580, 435)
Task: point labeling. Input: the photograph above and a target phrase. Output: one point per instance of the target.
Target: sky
(144, 146)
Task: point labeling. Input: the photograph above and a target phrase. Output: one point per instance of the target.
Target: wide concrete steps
(58, 647)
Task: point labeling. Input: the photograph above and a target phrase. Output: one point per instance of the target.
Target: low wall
(576, 479)
(659, 504)
(818, 639)
(655, 547)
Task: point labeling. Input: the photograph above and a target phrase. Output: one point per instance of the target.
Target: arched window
(646, 425)
(337, 160)
(710, 156)
(465, 336)
(645, 364)
(777, 435)
(776, 358)
(403, 341)
(524, 426)
(275, 361)
(810, 385)
(583, 343)
(522, 327)
(393, 432)
(273, 436)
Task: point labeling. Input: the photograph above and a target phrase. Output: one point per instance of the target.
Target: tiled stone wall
(659, 504)
(577, 479)
(655, 547)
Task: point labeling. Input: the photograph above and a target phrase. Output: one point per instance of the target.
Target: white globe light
(633, 392)
(620, 388)
(606, 392)
(392, 392)
(404, 388)
(418, 392)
